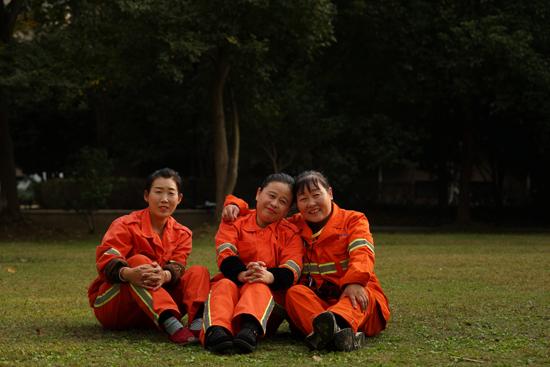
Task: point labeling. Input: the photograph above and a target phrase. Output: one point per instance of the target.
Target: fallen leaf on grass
(11, 270)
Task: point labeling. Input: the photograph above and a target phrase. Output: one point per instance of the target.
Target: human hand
(149, 276)
(357, 295)
(230, 212)
(245, 276)
(262, 275)
(256, 265)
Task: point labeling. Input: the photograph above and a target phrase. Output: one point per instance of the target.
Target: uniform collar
(250, 224)
(146, 226)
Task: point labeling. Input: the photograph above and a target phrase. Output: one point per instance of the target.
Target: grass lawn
(456, 299)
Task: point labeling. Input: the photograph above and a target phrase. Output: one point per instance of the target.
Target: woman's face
(316, 204)
(163, 197)
(272, 202)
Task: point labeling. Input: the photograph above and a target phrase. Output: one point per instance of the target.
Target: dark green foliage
(348, 87)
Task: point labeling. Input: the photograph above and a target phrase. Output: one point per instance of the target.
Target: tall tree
(9, 11)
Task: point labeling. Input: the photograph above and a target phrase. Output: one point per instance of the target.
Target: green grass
(456, 299)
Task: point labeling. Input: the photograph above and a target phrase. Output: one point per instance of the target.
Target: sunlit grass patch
(456, 299)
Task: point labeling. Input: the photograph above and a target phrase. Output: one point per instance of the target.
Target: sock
(196, 324)
(171, 325)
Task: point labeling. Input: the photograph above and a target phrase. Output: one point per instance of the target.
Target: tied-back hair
(164, 173)
(310, 180)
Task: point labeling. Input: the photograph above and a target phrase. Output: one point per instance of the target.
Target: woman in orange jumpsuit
(142, 280)
(340, 299)
(260, 256)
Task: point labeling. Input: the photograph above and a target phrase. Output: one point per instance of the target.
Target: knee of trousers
(224, 283)
(139, 259)
(295, 292)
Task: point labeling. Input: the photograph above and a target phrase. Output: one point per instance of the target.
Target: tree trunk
(221, 155)
(8, 183)
(233, 169)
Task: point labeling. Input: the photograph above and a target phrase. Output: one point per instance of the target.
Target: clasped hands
(256, 272)
(149, 276)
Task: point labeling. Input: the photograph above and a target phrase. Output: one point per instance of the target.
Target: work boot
(245, 341)
(183, 336)
(324, 329)
(218, 340)
(346, 340)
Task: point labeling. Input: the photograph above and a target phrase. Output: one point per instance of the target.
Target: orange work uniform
(131, 241)
(278, 245)
(341, 253)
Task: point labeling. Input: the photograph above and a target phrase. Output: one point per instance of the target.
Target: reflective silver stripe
(206, 314)
(310, 268)
(313, 268)
(344, 264)
(227, 246)
(112, 251)
(358, 243)
(267, 313)
(327, 268)
(108, 295)
(147, 299)
(292, 265)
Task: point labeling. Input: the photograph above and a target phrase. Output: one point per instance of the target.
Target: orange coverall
(278, 245)
(131, 241)
(341, 253)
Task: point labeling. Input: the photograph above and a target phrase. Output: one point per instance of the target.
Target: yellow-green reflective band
(108, 295)
(327, 268)
(267, 313)
(206, 314)
(227, 246)
(313, 268)
(147, 299)
(112, 251)
(358, 243)
(310, 268)
(291, 264)
(344, 264)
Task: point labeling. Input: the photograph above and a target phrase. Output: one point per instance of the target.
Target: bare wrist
(167, 276)
(121, 274)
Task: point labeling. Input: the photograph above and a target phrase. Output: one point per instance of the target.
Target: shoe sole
(243, 346)
(221, 348)
(324, 330)
(347, 340)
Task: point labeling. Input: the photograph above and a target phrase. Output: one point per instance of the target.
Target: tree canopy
(227, 92)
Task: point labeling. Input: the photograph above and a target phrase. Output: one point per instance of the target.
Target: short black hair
(164, 173)
(310, 180)
(280, 177)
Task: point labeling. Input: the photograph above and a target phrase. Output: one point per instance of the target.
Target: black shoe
(324, 329)
(245, 341)
(347, 340)
(218, 340)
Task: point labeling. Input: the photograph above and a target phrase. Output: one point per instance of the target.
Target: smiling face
(272, 202)
(163, 197)
(315, 203)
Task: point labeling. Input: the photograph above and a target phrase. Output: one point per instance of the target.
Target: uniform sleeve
(227, 255)
(111, 254)
(360, 249)
(233, 200)
(291, 254)
(226, 242)
(176, 264)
